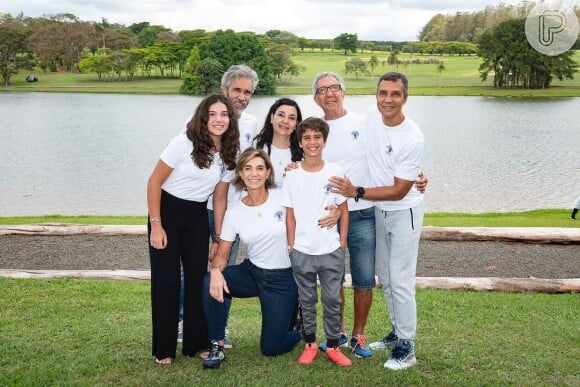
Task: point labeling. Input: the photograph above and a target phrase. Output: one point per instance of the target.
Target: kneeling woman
(260, 221)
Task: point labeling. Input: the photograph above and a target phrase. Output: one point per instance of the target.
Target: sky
(395, 20)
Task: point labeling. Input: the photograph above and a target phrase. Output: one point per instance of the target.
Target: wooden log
(525, 285)
(509, 234)
(55, 229)
(79, 274)
(516, 285)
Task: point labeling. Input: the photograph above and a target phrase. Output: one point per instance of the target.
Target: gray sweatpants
(398, 234)
(330, 270)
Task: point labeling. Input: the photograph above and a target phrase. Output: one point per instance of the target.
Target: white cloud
(318, 19)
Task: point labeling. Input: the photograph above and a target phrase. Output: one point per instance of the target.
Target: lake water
(91, 154)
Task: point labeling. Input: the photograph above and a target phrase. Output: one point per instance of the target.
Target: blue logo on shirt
(389, 149)
(279, 215)
(355, 134)
(327, 189)
(248, 138)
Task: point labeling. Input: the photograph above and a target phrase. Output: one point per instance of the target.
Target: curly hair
(198, 134)
(264, 139)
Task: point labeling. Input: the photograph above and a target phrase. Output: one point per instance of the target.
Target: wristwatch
(360, 192)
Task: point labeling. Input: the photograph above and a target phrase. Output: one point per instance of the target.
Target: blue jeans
(278, 296)
(361, 243)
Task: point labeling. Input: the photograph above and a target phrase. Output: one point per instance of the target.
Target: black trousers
(185, 223)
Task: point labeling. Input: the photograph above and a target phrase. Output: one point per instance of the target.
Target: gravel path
(436, 259)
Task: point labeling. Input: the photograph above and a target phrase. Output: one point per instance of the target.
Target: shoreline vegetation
(460, 77)
(533, 218)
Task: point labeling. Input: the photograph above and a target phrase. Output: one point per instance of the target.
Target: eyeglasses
(324, 89)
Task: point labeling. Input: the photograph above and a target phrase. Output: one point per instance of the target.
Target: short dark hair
(313, 123)
(394, 76)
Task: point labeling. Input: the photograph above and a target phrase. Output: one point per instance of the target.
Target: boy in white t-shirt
(316, 251)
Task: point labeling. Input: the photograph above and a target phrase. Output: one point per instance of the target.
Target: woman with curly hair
(177, 192)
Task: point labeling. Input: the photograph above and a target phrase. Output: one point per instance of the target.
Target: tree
(440, 68)
(210, 72)
(346, 42)
(229, 48)
(373, 64)
(507, 53)
(59, 41)
(279, 57)
(356, 66)
(100, 64)
(13, 35)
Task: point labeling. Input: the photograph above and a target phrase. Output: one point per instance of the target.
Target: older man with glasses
(347, 147)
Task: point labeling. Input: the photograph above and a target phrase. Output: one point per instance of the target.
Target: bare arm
(343, 207)
(290, 227)
(220, 204)
(217, 283)
(161, 172)
(343, 186)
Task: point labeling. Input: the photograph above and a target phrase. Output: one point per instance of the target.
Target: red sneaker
(309, 353)
(337, 357)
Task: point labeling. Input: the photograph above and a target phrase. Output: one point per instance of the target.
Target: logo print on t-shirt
(355, 134)
(389, 149)
(248, 138)
(327, 189)
(279, 215)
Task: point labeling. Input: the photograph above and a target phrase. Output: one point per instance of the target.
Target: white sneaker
(403, 356)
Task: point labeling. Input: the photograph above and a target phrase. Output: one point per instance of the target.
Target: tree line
(117, 52)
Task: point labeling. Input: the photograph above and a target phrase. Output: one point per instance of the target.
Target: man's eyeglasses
(324, 89)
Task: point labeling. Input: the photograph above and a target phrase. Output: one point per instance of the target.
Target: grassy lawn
(535, 218)
(460, 77)
(97, 332)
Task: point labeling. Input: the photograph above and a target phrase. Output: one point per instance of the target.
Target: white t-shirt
(347, 146)
(248, 125)
(280, 158)
(308, 193)
(395, 151)
(262, 229)
(187, 181)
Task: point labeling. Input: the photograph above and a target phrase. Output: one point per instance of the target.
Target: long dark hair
(198, 134)
(264, 138)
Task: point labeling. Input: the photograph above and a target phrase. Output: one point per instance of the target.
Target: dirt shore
(436, 259)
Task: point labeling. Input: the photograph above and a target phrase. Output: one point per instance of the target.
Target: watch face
(360, 190)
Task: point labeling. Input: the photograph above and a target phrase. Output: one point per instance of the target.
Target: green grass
(460, 77)
(97, 332)
(535, 218)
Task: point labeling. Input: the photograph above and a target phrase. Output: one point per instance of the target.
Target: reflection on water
(92, 153)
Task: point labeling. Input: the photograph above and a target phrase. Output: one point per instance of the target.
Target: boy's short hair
(313, 123)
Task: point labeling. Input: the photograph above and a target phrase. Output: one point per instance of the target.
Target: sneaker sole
(401, 366)
(213, 366)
